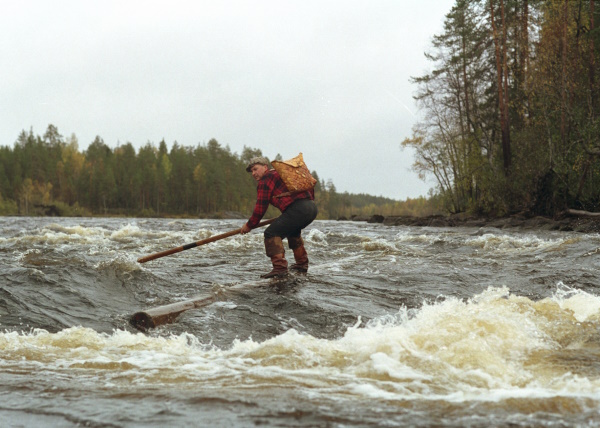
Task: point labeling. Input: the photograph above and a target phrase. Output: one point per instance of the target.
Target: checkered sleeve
(264, 192)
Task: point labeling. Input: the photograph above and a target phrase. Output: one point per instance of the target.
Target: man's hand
(245, 229)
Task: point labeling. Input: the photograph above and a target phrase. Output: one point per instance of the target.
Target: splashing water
(391, 327)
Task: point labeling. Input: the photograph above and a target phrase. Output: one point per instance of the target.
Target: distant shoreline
(569, 221)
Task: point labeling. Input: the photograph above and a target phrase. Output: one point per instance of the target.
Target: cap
(257, 160)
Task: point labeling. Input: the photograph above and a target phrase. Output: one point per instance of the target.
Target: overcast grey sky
(329, 78)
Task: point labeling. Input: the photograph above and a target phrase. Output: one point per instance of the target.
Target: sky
(328, 78)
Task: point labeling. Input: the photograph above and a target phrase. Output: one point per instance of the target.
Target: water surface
(392, 326)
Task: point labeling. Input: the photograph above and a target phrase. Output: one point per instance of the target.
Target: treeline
(511, 120)
(347, 205)
(49, 175)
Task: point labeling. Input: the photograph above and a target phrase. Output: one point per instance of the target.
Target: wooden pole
(199, 243)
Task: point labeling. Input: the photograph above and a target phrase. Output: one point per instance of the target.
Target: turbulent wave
(492, 346)
(456, 327)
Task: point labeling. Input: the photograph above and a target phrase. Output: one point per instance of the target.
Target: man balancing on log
(298, 211)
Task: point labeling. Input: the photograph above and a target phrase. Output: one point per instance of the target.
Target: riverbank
(576, 221)
(571, 220)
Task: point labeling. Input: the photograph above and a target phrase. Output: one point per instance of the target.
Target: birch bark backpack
(295, 175)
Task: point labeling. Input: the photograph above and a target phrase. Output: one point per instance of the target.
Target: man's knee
(273, 246)
(295, 242)
(272, 232)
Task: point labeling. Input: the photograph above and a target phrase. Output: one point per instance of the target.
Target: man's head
(257, 167)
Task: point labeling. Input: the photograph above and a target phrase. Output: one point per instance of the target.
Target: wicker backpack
(295, 175)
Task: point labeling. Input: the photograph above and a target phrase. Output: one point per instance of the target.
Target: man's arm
(263, 196)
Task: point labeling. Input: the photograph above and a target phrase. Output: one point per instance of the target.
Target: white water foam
(486, 348)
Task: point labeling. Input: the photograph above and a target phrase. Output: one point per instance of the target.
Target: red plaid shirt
(269, 186)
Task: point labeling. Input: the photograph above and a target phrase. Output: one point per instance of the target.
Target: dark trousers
(296, 217)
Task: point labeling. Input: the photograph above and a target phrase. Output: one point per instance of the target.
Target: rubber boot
(274, 249)
(300, 255)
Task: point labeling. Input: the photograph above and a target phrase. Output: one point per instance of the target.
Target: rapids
(392, 326)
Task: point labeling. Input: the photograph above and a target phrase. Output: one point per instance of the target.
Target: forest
(509, 108)
(508, 124)
(49, 175)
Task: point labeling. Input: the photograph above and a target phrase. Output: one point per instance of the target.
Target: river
(392, 326)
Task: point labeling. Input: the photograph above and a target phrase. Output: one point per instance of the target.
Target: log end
(142, 321)
(151, 318)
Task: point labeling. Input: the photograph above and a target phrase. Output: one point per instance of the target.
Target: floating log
(152, 318)
(582, 213)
